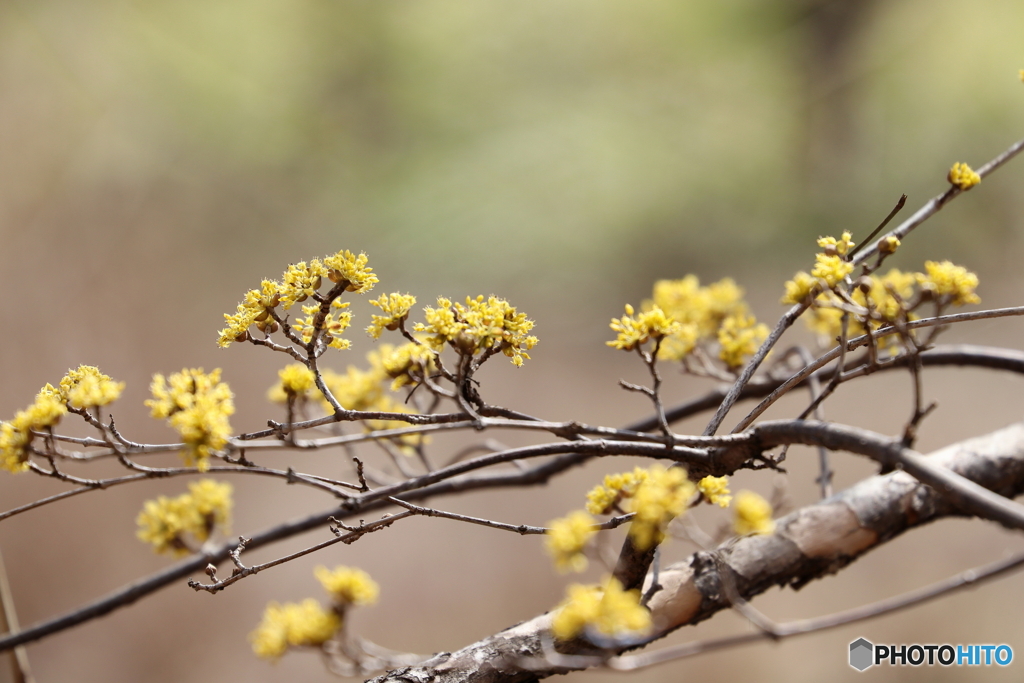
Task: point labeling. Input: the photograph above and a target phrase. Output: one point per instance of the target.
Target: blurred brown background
(157, 159)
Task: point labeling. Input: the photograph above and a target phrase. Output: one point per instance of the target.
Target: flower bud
(888, 244)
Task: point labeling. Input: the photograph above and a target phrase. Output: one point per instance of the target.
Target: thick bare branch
(808, 544)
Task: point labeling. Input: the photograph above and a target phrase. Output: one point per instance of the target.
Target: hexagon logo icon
(861, 654)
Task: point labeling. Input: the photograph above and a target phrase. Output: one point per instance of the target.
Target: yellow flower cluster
(890, 298)
(348, 585)
(478, 326)
(683, 314)
(687, 302)
(406, 364)
(886, 300)
(604, 498)
(657, 496)
(395, 308)
(833, 246)
(296, 381)
(753, 514)
(254, 310)
(300, 282)
(740, 336)
(333, 324)
(82, 388)
(309, 624)
(662, 497)
(351, 269)
(87, 387)
(611, 612)
(165, 522)
(963, 176)
(716, 490)
(634, 331)
(949, 283)
(197, 405)
(830, 268)
(305, 624)
(566, 539)
(16, 434)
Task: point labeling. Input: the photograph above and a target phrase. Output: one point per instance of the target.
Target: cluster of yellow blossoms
(479, 325)
(395, 308)
(17, 434)
(610, 612)
(166, 523)
(963, 176)
(197, 405)
(566, 539)
(753, 514)
(683, 314)
(657, 496)
(310, 624)
(83, 388)
(300, 282)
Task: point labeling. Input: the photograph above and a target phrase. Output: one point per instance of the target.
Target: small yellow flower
(348, 585)
(610, 612)
(740, 336)
(166, 523)
(17, 434)
(87, 387)
(296, 380)
(889, 294)
(954, 284)
(293, 625)
(636, 331)
(700, 310)
(753, 514)
(888, 244)
(567, 538)
(716, 490)
(963, 176)
(833, 246)
(197, 405)
(409, 363)
(479, 325)
(395, 308)
(662, 497)
(604, 497)
(254, 310)
(831, 269)
(799, 288)
(212, 500)
(301, 281)
(347, 267)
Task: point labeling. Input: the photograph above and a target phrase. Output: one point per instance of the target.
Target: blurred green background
(158, 158)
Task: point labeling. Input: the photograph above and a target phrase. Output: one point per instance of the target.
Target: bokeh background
(158, 158)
